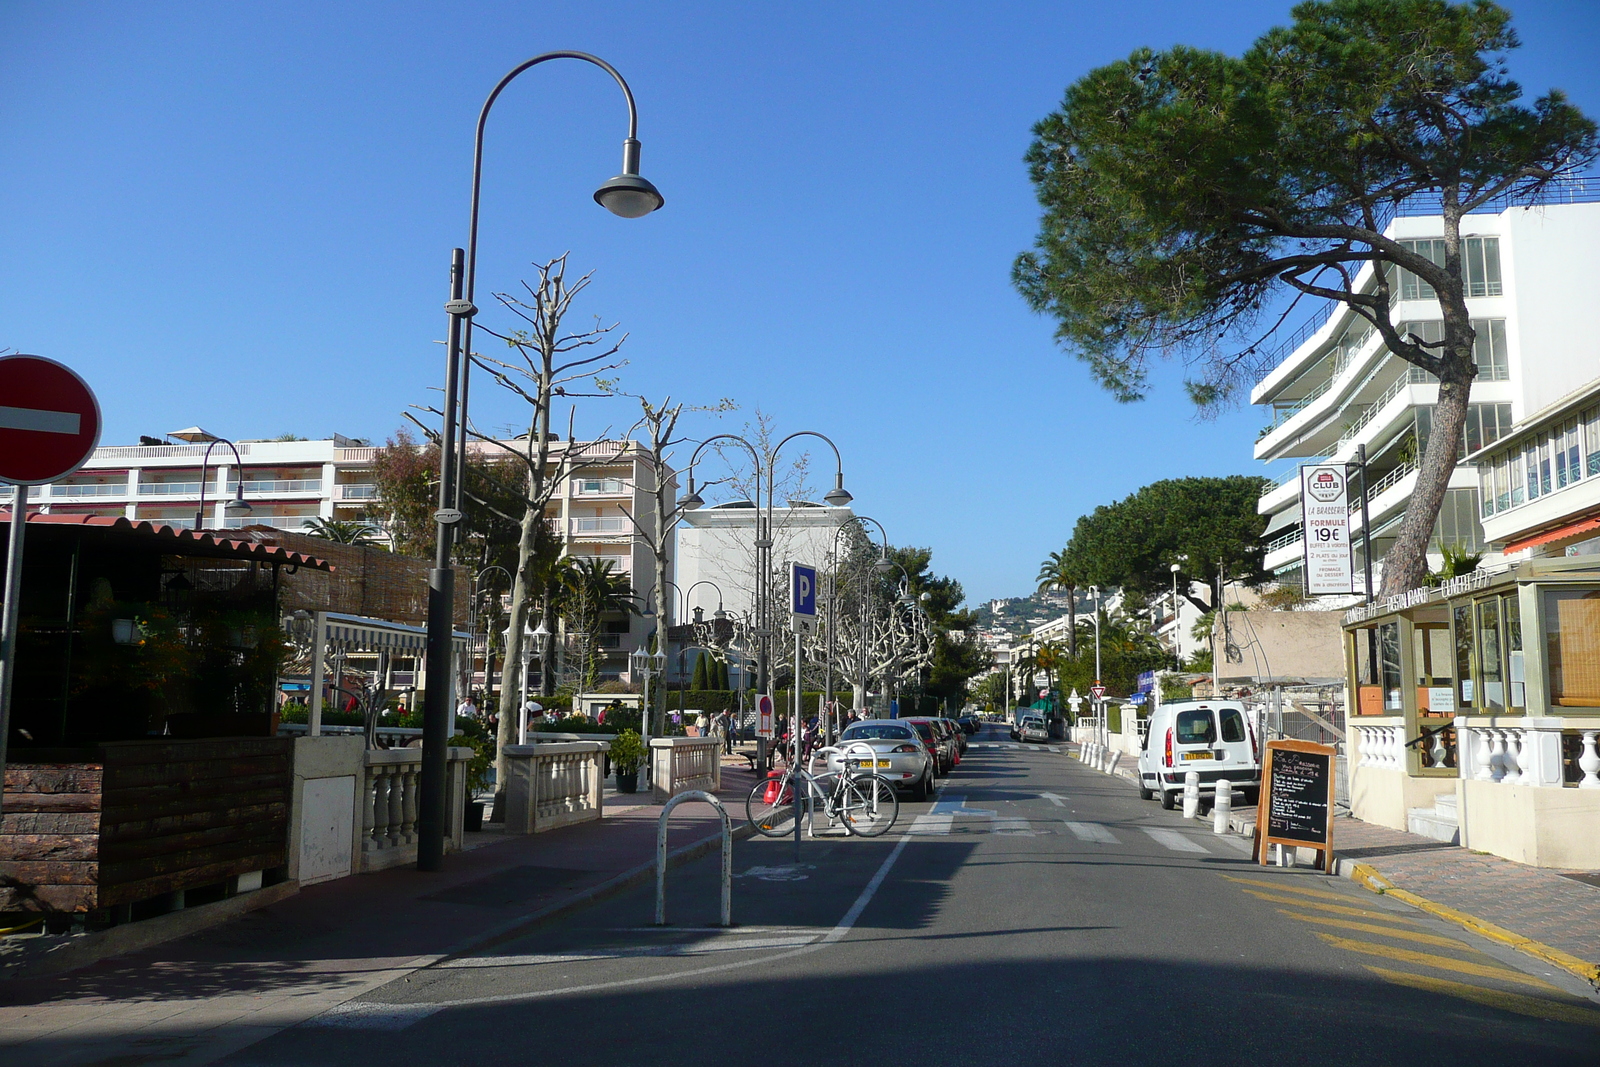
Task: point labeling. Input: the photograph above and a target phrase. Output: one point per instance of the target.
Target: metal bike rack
(661, 855)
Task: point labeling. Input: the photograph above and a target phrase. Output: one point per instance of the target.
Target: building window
(1569, 467)
(1488, 348)
(1485, 424)
(1480, 267)
(1591, 438)
(1572, 646)
(1458, 525)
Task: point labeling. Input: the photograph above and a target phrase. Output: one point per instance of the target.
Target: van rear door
(1195, 737)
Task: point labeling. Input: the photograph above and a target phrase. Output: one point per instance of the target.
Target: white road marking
(1016, 827)
(1176, 841)
(1093, 831)
(39, 421)
(628, 951)
(838, 933)
(1058, 801)
(932, 825)
(1052, 748)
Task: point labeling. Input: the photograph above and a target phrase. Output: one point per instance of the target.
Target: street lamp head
(838, 496)
(694, 499)
(238, 505)
(628, 195)
(540, 633)
(1176, 568)
(884, 565)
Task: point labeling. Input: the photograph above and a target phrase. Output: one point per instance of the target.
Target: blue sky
(240, 215)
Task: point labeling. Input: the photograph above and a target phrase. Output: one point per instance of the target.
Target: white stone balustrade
(1380, 746)
(388, 805)
(1526, 751)
(553, 785)
(679, 764)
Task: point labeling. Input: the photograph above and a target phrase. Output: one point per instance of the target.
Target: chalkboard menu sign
(1296, 807)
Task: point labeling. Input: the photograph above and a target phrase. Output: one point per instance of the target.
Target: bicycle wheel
(870, 805)
(770, 807)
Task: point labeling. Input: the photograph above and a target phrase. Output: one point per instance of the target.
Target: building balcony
(183, 489)
(277, 522)
(89, 489)
(280, 486)
(599, 525)
(355, 491)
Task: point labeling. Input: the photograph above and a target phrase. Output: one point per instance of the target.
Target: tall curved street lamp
(837, 497)
(627, 195)
(238, 505)
(881, 566)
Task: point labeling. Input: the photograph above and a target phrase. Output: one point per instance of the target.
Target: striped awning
(356, 633)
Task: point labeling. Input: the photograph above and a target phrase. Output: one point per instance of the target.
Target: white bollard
(1191, 794)
(1222, 806)
(1111, 768)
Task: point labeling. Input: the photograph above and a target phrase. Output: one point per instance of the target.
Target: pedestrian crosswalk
(1013, 746)
(942, 822)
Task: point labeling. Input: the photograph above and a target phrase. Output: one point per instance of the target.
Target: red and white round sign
(49, 420)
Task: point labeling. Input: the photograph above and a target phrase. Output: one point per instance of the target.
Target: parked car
(940, 743)
(1033, 728)
(899, 754)
(970, 723)
(957, 733)
(1211, 737)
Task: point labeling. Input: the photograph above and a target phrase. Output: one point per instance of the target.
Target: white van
(1213, 737)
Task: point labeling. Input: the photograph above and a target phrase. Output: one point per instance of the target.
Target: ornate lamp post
(627, 195)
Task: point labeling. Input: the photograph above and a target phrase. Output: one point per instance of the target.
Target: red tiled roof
(180, 539)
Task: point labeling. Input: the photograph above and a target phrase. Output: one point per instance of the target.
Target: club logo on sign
(1325, 486)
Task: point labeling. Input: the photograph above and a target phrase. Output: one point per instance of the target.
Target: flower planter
(628, 781)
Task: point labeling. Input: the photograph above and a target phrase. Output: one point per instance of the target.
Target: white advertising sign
(1325, 512)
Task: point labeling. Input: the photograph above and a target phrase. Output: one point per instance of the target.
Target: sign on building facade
(1325, 521)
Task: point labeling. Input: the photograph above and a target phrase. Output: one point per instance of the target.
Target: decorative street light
(1177, 623)
(645, 664)
(238, 505)
(837, 497)
(882, 565)
(627, 195)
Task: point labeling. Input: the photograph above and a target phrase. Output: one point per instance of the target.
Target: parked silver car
(1033, 728)
(897, 754)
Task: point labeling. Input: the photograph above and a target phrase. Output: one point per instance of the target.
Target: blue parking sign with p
(802, 597)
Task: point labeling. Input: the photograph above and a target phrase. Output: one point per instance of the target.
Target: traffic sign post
(802, 620)
(49, 425)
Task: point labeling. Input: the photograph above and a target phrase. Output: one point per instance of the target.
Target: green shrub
(627, 752)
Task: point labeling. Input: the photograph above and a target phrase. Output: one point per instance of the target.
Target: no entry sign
(49, 420)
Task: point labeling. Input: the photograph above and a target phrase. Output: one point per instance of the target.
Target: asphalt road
(1036, 912)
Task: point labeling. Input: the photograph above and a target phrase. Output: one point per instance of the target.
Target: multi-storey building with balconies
(288, 483)
(1530, 270)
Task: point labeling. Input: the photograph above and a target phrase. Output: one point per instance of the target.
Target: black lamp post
(238, 504)
(627, 195)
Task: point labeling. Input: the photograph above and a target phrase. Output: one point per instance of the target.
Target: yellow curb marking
(1281, 888)
(1589, 972)
(1494, 998)
(1443, 963)
(1373, 928)
(1359, 913)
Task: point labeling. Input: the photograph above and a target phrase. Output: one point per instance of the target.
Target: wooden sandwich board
(1296, 805)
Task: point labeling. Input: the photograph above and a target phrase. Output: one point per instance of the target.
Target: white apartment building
(1530, 273)
(1540, 485)
(288, 483)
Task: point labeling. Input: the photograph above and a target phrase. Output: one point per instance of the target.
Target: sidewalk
(1547, 906)
(195, 1000)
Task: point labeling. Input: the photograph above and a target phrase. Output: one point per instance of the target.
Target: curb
(514, 928)
(1369, 878)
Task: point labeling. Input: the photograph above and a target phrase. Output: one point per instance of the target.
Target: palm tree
(590, 589)
(344, 531)
(1062, 571)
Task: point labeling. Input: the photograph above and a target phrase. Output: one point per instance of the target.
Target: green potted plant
(627, 753)
(477, 778)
